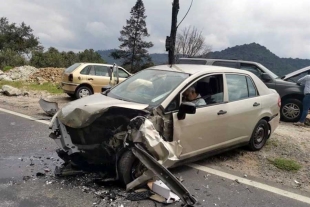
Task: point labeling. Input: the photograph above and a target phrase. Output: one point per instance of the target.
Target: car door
(101, 78)
(85, 74)
(122, 75)
(204, 130)
(244, 107)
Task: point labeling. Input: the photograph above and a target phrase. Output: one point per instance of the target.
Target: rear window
(72, 67)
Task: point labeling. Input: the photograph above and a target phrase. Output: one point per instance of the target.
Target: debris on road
(162, 190)
(50, 108)
(40, 174)
(140, 194)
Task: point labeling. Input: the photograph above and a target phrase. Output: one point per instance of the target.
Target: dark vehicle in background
(291, 93)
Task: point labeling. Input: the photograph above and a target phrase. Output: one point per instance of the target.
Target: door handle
(256, 104)
(90, 79)
(221, 112)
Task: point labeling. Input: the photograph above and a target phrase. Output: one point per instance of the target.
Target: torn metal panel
(142, 130)
(49, 107)
(66, 140)
(165, 175)
(83, 112)
(162, 123)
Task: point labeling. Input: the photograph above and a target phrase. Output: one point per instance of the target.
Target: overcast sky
(283, 26)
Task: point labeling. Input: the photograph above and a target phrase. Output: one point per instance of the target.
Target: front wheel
(291, 110)
(259, 135)
(129, 167)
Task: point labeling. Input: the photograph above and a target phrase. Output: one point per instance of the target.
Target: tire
(259, 136)
(291, 110)
(83, 91)
(127, 166)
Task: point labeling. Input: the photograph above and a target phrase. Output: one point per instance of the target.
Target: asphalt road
(25, 150)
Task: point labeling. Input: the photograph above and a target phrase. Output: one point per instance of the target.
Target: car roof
(193, 68)
(105, 64)
(224, 60)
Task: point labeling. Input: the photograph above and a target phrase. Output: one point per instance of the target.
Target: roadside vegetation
(48, 87)
(19, 46)
(286, 164)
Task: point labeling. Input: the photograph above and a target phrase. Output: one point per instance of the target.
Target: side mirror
(265, 77)
(186, 108)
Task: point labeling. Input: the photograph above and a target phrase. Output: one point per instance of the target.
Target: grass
(272, 143)
(49, 87)
(7, 68)
(286, 164)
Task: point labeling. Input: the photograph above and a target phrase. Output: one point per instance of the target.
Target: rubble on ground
(21, 73)
(11, 91)
(31, 74)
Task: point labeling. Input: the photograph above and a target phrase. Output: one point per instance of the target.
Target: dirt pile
(31, 74)
(53, 75)
(21, 73)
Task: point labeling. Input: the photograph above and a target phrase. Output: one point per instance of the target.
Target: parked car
(240, 110)
(83, 79)
(291, 93)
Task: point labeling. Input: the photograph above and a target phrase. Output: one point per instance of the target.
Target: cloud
(77, 24)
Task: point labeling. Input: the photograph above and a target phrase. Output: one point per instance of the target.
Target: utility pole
(170, 41)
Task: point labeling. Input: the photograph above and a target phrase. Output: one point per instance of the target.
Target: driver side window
(203, 92)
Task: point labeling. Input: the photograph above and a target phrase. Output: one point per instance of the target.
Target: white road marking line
(252, 183)
(24, 116)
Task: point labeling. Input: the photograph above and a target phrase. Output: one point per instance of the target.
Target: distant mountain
(257, 53)
(157, 58)
(250, 52)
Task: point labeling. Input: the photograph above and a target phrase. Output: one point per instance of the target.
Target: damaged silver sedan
(151, 112)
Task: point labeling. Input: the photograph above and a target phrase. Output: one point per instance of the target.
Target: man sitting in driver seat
(192, 96)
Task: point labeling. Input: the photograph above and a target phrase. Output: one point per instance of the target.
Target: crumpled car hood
(82, 112)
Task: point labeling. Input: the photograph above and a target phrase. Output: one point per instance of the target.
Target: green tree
(90, 56)
(53, 58)
(133, 49)
(19, 39)
(16, 42)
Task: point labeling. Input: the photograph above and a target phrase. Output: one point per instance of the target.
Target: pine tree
(133, 48)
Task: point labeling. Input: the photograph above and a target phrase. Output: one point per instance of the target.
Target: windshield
(148, 86)
(72, 67)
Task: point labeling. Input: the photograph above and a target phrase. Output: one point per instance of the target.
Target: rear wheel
(259, 135)
(83, 91)
(291, 110)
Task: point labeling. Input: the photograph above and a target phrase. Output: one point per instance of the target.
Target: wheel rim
(84, 92)
(259, 136)
(137, 169)
(291, 111)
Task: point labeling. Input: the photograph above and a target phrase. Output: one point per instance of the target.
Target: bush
(7, 68)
